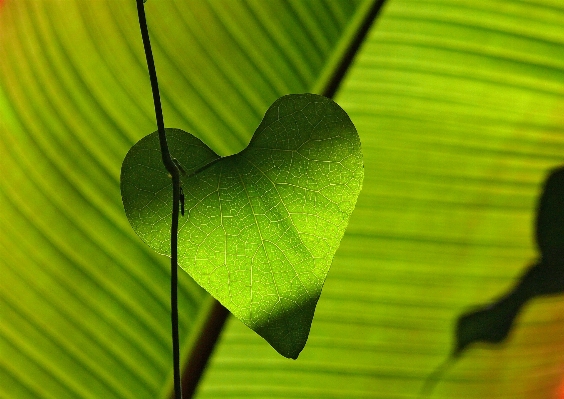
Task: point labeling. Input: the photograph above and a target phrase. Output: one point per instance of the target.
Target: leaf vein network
(289, 217)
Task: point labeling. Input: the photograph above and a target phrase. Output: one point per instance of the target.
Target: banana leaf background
(460, 108)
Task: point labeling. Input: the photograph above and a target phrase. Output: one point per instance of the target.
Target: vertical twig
(175, 174)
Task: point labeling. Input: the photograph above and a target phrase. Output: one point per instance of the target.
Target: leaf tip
(288, 331)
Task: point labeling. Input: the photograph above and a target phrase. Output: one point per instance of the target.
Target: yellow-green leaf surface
(459, 106)
(84, 309)
(262, 226)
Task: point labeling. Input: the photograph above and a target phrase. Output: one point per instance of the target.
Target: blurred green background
(460, 108)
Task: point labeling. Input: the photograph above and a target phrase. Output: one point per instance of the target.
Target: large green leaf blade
(261, 227)
(84, 303)
(458, 106)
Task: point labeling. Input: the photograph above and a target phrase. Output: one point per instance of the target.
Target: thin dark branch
(203, 349)
(167, 159)
(175, 174)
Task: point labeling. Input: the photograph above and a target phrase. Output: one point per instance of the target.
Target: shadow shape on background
(546, 277)
(492, 323)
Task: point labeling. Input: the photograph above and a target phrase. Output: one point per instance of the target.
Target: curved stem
(175, 174)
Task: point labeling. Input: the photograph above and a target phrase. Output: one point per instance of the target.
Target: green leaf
(261, 226)
(459, 108)
(84, 303)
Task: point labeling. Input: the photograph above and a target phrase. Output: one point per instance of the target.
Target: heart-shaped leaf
(261, 227)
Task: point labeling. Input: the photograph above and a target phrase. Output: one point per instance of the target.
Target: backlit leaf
(261, 226)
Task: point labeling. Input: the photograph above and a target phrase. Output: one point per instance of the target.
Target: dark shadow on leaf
(493, 322)
(287, 330)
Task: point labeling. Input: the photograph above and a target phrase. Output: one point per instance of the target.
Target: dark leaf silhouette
(492, 323)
